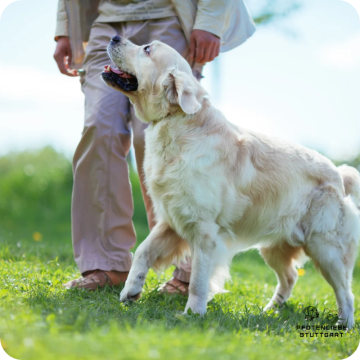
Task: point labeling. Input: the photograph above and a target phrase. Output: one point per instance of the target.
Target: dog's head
(155, 77)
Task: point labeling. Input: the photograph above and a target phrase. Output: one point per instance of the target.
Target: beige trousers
(102, 205)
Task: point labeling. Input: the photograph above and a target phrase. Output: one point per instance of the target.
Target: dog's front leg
(158, 249)
(203, 261)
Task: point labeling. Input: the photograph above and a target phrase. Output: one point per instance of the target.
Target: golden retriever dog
(219, 189)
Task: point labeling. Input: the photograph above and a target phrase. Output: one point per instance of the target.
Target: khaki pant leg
(102, 205)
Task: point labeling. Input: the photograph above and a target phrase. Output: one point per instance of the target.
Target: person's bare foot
(175, 286)
(97, 279)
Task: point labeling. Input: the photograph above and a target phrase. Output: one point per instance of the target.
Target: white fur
(224, 189)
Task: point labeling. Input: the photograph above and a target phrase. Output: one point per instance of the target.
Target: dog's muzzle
(114, 76)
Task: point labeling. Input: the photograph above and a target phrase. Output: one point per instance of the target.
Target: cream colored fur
(219, 189)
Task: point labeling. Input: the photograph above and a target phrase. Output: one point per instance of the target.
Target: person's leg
(102, 205)
(169, 31)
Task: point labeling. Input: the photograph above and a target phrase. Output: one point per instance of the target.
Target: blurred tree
(355, 162)
(35, 191)
(265, 11)
(35, 196)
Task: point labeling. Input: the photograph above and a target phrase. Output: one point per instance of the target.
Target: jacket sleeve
(211, 16)
(230, 20)
(62, 23)
(217, 16)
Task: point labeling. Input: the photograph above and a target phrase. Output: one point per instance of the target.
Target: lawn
(41, 320)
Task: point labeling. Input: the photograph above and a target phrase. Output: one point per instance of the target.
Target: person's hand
(204, 46)
(62, 56)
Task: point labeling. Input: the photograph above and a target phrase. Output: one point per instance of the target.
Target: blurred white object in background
(4, 4)
(355, 4)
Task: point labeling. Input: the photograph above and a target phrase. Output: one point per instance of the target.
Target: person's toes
(175, 286)
(97, 279)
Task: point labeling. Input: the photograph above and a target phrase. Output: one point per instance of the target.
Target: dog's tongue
(117, 71)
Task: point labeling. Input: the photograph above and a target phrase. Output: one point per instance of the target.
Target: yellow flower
(301, 272)
(37, 236)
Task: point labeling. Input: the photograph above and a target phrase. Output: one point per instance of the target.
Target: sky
(297, 78)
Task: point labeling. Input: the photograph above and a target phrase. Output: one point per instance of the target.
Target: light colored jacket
(228, 19)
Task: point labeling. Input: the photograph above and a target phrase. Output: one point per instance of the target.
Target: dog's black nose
(116, 39)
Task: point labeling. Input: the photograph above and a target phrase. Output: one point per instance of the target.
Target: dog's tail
(351, 179)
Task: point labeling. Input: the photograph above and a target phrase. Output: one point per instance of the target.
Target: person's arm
(207, 31)
(62, 53)
(62, 22)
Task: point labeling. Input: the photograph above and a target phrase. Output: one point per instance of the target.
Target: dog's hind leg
(282, 259)
(334, 254)
(336, 262)
(158, 250)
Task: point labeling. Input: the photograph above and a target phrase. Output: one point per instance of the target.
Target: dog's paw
(125, 297)
(349, 323)
(130, 293)
(195, 305)
(271, 305)
(194, 310)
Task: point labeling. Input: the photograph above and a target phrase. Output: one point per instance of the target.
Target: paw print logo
(332, 315)
(311, 313)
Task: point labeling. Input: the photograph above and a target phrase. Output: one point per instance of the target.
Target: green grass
(41, 320)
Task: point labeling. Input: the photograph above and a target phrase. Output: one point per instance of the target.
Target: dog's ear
(181, 88)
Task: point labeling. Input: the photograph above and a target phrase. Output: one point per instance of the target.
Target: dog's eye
(147, 49)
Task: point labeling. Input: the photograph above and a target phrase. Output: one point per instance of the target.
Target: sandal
(98, 279)
(175, 286)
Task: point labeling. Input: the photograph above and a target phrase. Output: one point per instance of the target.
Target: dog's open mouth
(118, 78)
